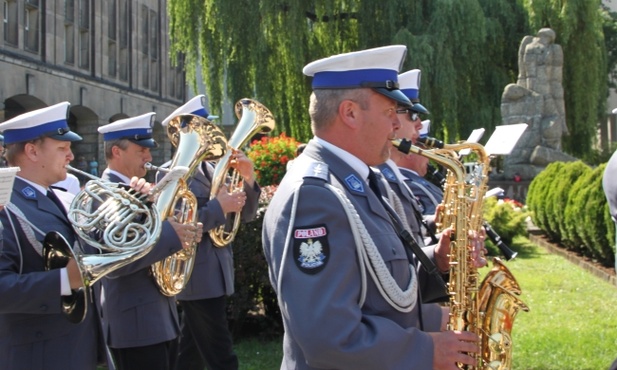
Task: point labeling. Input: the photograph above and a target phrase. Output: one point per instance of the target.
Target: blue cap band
(202, 112)
(411, 93)
(352, 79)
(136, 134)
(25, 134)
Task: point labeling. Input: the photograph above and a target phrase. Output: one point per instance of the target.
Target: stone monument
(536, 99)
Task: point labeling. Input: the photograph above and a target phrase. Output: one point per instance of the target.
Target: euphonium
(196, 139)
(111, 218)
(254, 118)
(487, 309)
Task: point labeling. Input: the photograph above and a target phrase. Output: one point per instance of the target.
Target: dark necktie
(373, 183)
(408, 240)
(51, 195)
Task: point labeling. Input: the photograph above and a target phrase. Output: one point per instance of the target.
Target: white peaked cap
(136, 129)
(375, 68)
(426, 128)
(50, 121)
(196, 106)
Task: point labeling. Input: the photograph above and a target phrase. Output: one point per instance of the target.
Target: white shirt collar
(38, 187)
(124, 179)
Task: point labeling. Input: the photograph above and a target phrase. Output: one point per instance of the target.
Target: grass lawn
(572, 324)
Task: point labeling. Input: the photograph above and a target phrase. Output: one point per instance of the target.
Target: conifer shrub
(576, 231)
(539, 190)
(561, 194)
(595, 229)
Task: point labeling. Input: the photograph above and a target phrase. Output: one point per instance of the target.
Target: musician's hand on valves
(188, 234)
(478, 251)
(452, 347)
(140, 185)
(442, 251)
(231, 202)
(243, 165)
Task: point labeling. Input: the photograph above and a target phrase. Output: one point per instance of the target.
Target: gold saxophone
(487, 309)
(254, 118)
(196, 139)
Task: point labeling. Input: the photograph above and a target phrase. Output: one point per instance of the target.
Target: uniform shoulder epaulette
(315, 169)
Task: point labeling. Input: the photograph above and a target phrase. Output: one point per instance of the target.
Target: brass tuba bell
(254, 118)
(196, 139)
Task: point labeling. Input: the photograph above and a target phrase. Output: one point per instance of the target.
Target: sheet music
(7, 178)
(474, 137)
(504, 139)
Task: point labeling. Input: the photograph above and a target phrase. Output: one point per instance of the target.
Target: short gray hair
(120, 143)
(324, 104)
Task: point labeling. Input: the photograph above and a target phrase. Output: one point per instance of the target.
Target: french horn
(112, 218)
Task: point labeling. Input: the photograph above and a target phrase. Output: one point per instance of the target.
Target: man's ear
(115, 151)
(32, 151)
(349, 110)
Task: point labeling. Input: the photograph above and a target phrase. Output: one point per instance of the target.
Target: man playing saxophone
(346, 288)
(140, 323)
(206, 341)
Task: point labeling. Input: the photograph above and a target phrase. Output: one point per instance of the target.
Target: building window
(10, 22)
(31, 26)
(154, 51)
(144, 43)
(123, 29)
(69, 31)
(84, 34)
(112, 37)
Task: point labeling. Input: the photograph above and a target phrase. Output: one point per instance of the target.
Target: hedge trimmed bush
(539, 191)
(568, 203)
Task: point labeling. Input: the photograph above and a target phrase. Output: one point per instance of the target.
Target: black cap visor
(146, 143)
(66, 136)
(419, 108)
(396, 94)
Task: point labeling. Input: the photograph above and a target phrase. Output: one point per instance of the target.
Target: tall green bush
(539, 190)
(560, 196)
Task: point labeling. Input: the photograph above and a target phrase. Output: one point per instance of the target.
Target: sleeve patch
(311, 250)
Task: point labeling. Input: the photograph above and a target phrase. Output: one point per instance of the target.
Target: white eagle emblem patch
(310, 248)
(311, 255)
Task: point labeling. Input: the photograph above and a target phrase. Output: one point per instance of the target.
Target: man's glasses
(412, 115)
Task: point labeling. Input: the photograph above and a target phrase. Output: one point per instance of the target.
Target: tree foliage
(467, 50)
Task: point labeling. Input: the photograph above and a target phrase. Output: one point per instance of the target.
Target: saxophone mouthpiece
(431, 142)
(403, 145)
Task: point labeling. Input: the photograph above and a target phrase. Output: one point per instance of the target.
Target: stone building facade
(109, 58)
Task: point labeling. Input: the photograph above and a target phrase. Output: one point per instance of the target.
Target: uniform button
(39, 334)
(43, 307)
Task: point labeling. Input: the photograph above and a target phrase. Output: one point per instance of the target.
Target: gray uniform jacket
(425, 191)
(314, 268)
(34, 334)
(134, 312)
(434, 291)
(609, 184)
(213, 273)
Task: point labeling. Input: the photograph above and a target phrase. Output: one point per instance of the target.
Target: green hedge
(567, 202)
